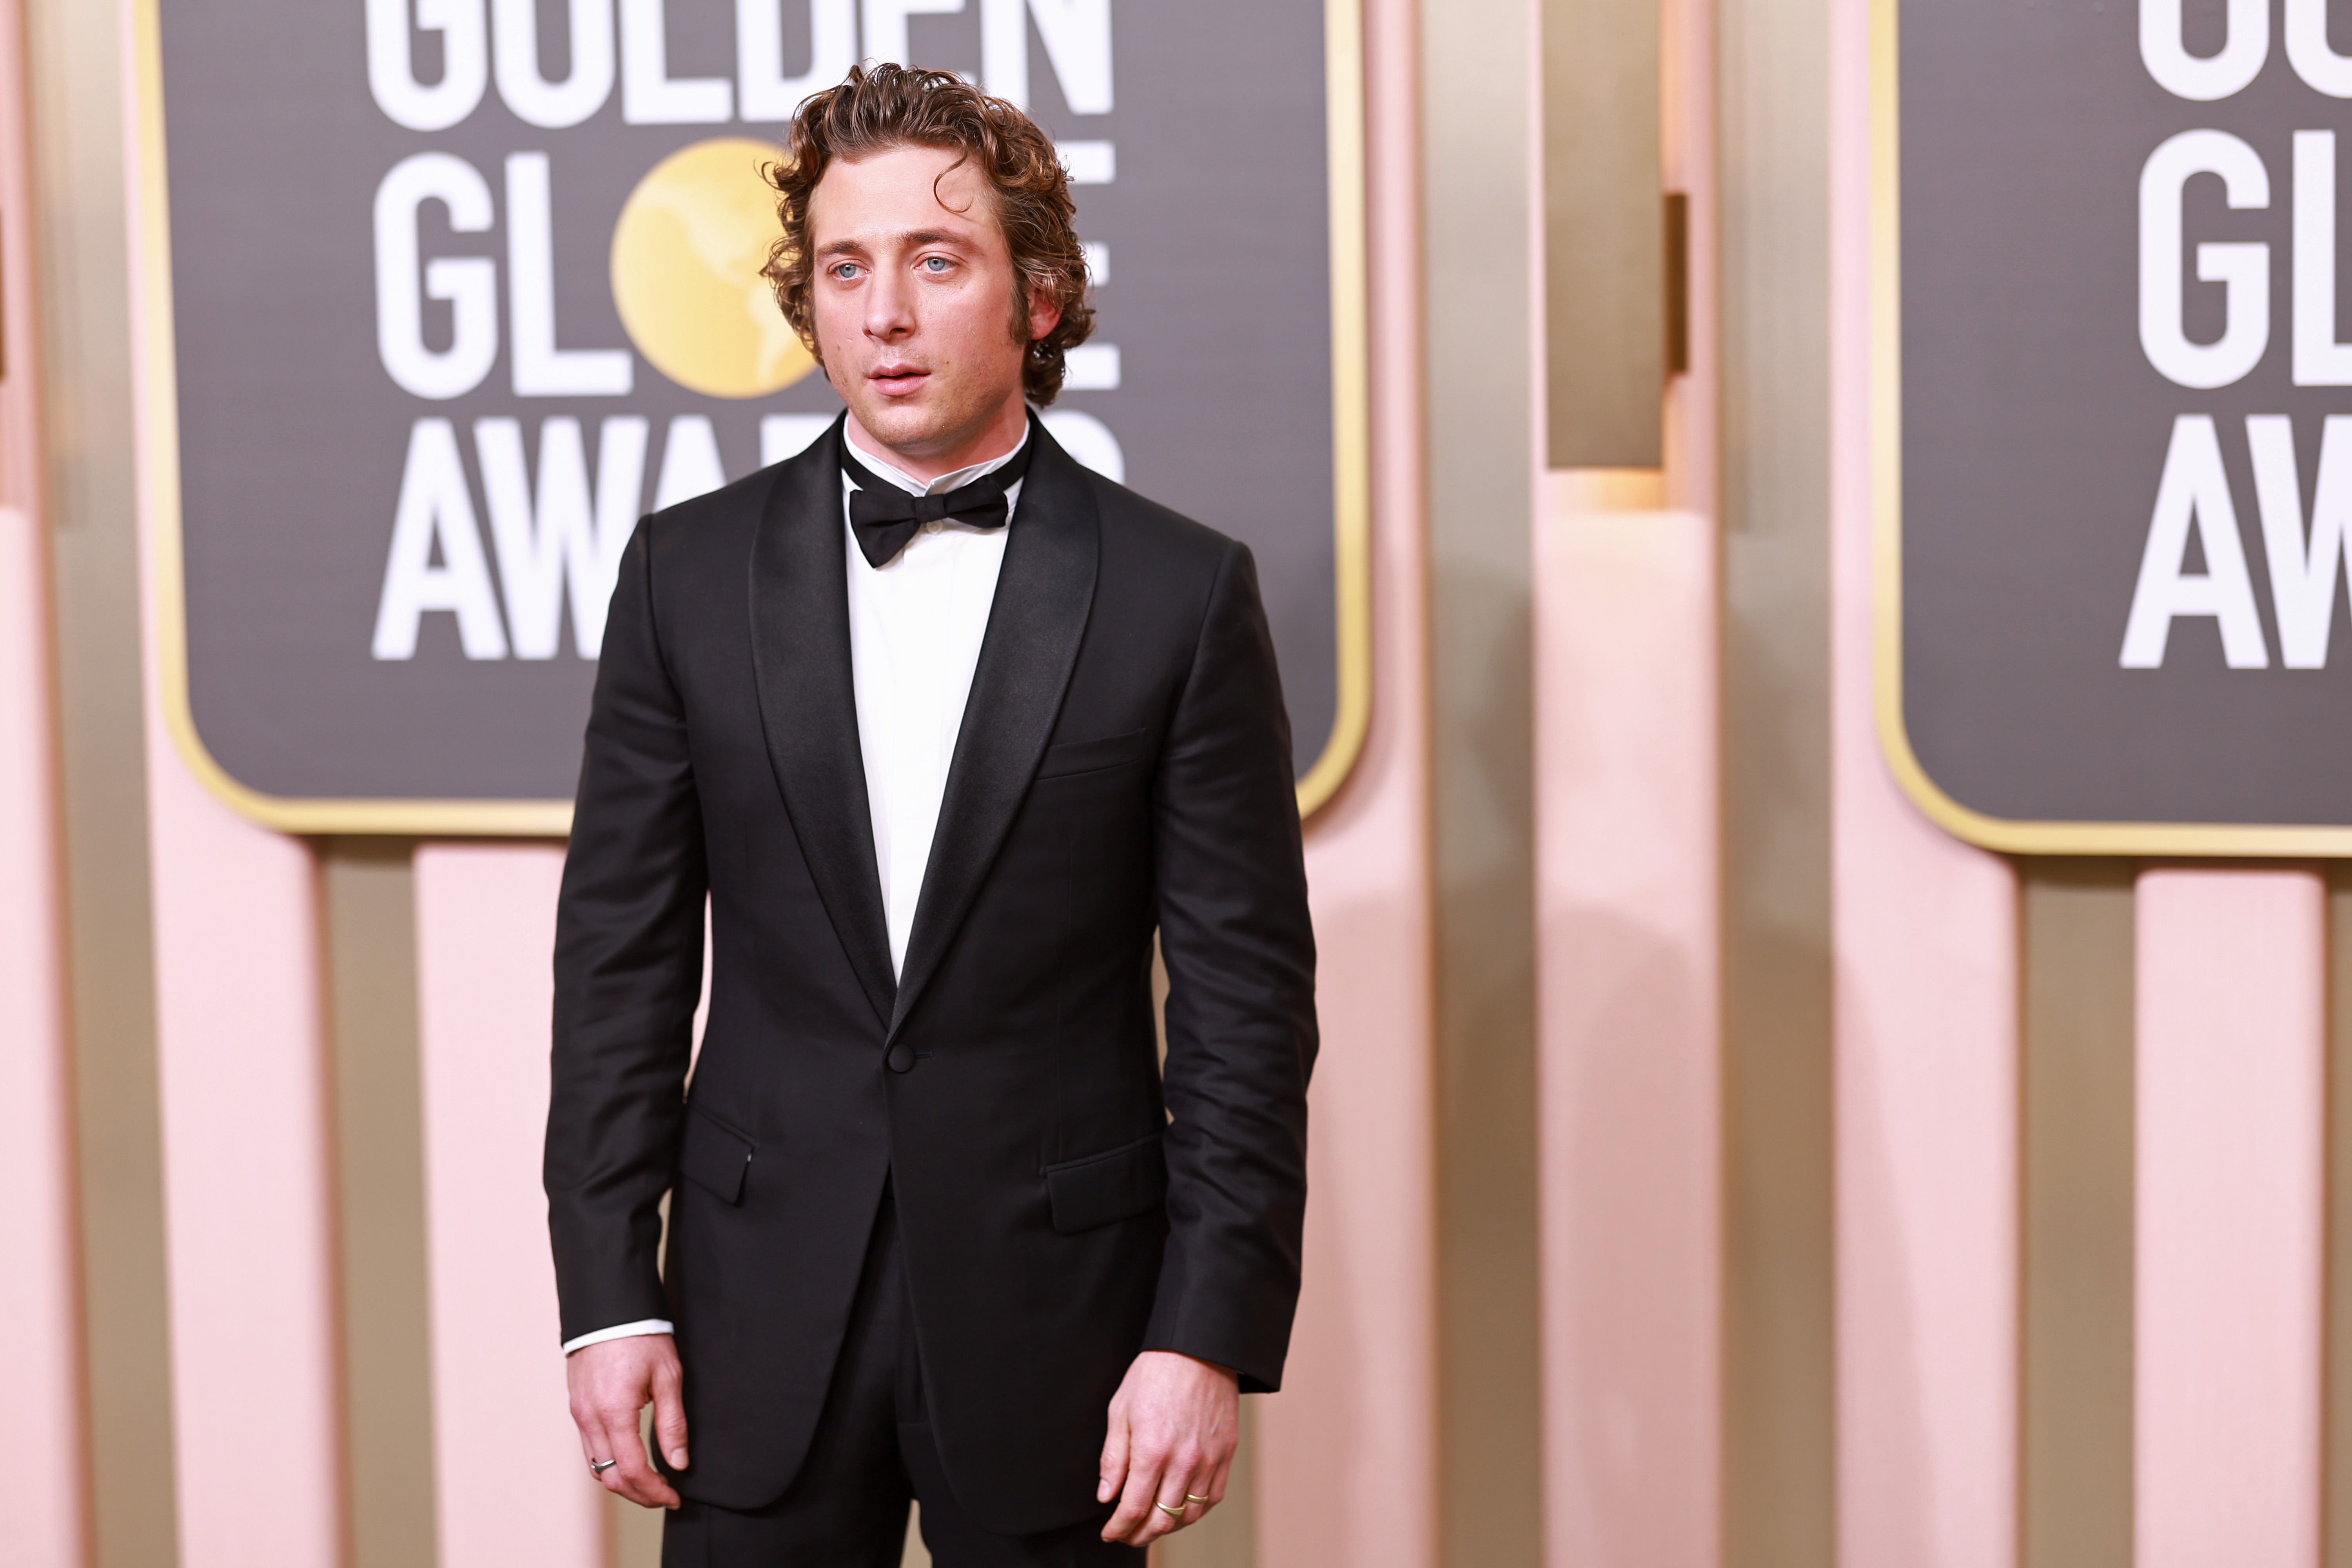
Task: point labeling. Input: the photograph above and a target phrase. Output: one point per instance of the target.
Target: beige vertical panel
(2076, 1204)
(1479, 230)
(1604, 275)
(2335, 1440)
(368, 900)
(633, 1536)
(77, 112)
(1772, 140)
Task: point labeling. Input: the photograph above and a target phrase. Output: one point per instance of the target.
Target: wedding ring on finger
(598, 1467)
(1190, 1497)
(1171, 1513)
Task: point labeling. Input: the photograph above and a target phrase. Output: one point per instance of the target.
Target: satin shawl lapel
(1043, 593)
(808, 703)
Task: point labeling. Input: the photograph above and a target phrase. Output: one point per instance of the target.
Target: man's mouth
(897, 380)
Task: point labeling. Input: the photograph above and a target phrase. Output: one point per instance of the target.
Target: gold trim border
(2007, 834)
(1351, 454)
(155, 364)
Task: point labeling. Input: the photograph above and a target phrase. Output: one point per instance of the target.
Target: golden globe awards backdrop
(445, 294)
(2111, 251)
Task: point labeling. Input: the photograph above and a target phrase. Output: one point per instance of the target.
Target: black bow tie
(884, 517)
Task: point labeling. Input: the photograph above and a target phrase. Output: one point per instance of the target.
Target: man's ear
(1043, 317)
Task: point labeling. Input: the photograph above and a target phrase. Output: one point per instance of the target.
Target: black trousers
(872, 1453)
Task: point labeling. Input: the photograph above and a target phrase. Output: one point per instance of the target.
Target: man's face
(913, 304)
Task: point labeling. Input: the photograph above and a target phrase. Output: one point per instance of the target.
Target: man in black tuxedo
(944, 726)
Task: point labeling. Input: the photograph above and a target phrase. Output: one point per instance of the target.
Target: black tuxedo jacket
(1124, 764)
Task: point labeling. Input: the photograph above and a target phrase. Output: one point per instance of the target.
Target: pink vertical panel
(510, 1481)
(44, 1508)
(2232, 1063)
(246, 1180)
(1629, 1020)
(1347, 1452)
(1927, 977)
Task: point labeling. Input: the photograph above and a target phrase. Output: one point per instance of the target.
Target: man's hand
(1174, 1425)
(611, 1382)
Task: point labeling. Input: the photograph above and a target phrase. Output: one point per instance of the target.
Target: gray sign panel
(2126, 423)
(459, 287)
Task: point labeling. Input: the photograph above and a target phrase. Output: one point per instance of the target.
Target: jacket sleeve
(628, 972)
(1239, 952)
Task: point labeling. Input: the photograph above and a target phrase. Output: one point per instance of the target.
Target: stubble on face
(915, 306)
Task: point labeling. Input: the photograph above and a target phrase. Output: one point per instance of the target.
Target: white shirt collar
(945, 482)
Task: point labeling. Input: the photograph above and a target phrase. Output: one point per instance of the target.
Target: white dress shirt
(915, 628)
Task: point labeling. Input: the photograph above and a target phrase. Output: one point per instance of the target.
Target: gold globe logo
(685, 272)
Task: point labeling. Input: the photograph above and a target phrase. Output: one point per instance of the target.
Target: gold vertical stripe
(1351, 449)
(2075, 1228)
(369, 907)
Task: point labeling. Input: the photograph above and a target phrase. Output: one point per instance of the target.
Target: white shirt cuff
(621, 1331)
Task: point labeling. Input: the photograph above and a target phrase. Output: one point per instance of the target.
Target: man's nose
(889, 305)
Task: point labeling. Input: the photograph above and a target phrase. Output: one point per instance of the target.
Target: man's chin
(907, 424)
(918, 426)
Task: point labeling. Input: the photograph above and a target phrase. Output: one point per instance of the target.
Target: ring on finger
(598, 1467)
(1171, 1513)
(1193, 1497)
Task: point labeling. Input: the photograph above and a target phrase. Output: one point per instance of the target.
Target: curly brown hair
(885, 106)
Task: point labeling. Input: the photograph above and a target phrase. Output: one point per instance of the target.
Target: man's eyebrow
(908, 239)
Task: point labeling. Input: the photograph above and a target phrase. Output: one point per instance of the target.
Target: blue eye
(935, 263)
(845, 270)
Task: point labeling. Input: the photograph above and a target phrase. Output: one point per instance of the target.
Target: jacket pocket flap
(1103, 1188)
(1092, 756)
(715, 1157)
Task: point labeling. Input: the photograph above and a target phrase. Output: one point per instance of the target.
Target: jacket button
(900, 1059)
